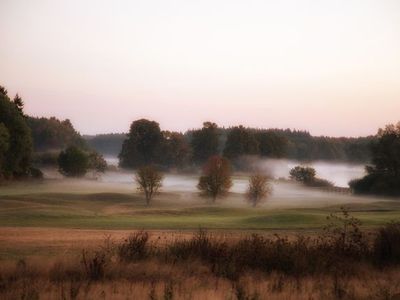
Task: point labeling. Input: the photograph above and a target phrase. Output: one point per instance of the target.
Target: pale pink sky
(330, 67)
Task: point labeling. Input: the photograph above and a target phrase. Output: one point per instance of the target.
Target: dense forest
(273, 143)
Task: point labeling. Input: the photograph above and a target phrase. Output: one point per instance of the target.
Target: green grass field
(96, 206)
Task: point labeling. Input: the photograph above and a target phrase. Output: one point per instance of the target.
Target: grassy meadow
(47, 227)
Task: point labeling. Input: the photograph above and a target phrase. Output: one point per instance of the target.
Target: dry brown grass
(150, 280)
(341, 262)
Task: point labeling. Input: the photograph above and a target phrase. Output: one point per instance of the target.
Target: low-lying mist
(338, 173)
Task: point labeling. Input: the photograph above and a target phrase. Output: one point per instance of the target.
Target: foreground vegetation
(342, 262)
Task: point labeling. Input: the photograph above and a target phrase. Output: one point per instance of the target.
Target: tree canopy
(240, 141)
(15, 139)
(54, 134)
(142, 146)
(204, 142)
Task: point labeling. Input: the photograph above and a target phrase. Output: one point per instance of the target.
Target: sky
(329, 67)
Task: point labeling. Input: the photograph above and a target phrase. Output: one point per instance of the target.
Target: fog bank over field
(337, 172)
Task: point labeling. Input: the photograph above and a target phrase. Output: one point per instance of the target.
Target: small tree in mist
(303, 174)
(216, 179)
(259, 189)
(149, 180)
(97, 163)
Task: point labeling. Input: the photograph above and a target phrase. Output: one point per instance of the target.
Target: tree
(176, 149)
(4, 145)
(97, 163)
(73, 162)
(149, 181)
(142, 146)
(19, 104)
(240, 141)
(384, 174)
(303, 174)
(3, 91)
(204, 142)
(216, 179)
(259, 188)
(15, 138)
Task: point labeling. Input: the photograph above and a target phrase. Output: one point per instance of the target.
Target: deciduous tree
(142, 146)
(259, 189)
(149, 181)
(216, 179)
(73, 162)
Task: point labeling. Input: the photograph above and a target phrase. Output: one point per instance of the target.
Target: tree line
(27, 143)
(147, 143)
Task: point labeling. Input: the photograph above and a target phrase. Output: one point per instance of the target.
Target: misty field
(89, 204)
(114, 204)
(65, 239)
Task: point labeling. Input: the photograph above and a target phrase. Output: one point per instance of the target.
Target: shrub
(134, 247)
(94, 264)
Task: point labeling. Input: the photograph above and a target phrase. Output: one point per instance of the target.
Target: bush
(387, 244)
(134, 247)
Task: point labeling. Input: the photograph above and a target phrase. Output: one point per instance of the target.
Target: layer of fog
(336, 172)
(184, 186)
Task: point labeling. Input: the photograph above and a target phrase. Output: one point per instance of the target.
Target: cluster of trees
(383, 175)
(213, 183)
(76, 162)
(146, 143)
(22, 137)
(52, 134)
(15, 138)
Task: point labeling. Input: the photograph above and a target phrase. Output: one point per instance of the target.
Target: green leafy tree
(73, 162)
(240, 141)
(259, 189)
(16, 140)
(142, 146)
(216, 179)
(205, 142)
(149, 181)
